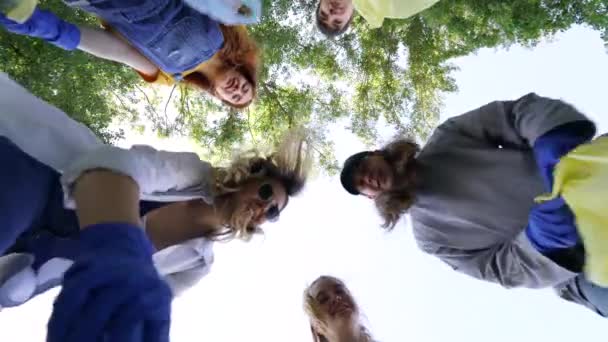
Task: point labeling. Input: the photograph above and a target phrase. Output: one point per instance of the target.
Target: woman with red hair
(165, 41)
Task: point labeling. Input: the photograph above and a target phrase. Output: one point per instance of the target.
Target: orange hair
(239, 53)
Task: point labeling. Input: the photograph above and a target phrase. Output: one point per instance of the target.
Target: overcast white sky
(254, 290)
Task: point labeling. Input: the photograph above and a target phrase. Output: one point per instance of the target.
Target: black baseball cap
(348, 171)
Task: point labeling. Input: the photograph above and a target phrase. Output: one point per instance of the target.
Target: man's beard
(404, 174)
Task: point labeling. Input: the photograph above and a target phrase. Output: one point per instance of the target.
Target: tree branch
(151, 107)
(274, 96)
(122, 103)
(167, 105)
(249, 125)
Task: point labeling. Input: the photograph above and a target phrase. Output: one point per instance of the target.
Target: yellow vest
(581, 178)
(374, 11)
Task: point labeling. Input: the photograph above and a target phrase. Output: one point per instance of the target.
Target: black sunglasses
(265, 193)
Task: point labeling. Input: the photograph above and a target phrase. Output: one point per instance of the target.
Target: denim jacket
(171, 34)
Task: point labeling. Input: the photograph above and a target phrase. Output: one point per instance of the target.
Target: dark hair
(348, 171)
(401, 153)
(328, 31)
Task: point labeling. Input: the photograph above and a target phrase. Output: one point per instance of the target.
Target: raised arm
(515, 124)
(510, 263)
(104, 44)
(155, 172)
(114, 271)
(96, 41)
(103, 196)
(112, 291)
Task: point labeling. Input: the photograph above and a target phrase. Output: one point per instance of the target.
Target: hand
(47, 26)
(113, 291)
(18, 10)
(552, 226)
(553, 145)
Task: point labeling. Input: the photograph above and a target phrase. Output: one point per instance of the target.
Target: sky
(254, 290)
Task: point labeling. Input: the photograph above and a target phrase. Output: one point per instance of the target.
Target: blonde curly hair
(290, 164)
(311, 307)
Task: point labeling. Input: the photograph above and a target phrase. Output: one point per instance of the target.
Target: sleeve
(513, 263)
(229, 12)
(513, 124)
(47, 26)
(154, 171)
(185, 264)
(370, 13)
(184, 280)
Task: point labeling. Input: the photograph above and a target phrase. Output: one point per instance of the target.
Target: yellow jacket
(581, 178)
(374, 11)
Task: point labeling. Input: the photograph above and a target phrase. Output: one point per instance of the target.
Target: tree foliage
(81, 85)
(395, 75)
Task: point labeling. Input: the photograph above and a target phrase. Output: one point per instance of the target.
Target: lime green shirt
(374, 11)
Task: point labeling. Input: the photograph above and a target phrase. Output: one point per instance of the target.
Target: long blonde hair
(290, 164)
(311, 307)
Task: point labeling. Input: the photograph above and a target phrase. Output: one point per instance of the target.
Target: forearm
(511, 264)
(104, 44)
(96, 41)
(534, 116)
(106, 197)
(515, 124)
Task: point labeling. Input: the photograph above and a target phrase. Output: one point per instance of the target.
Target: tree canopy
(395, 75)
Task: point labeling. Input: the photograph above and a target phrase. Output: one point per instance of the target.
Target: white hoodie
(51, 137)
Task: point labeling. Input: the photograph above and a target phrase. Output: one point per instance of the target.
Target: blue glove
(47, 26)
(550, 147)
(551, 226)
(113, 291)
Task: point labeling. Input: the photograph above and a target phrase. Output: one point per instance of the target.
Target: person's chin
(345, 312)
(245, 216)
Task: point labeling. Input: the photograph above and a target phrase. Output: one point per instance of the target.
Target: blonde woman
(333, 312)
(186, 204)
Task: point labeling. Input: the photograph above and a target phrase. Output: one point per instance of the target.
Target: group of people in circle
(125, 230)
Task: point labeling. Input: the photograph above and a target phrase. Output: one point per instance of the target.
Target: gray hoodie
(478, 180)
